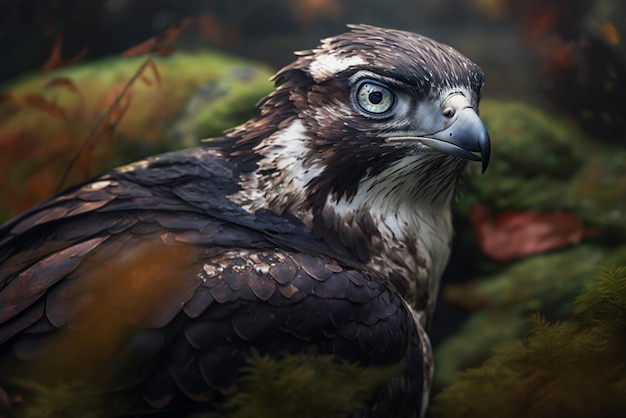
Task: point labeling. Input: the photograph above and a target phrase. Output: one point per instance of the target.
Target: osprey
(322, 226)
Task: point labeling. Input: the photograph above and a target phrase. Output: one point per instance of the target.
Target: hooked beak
(464, 135)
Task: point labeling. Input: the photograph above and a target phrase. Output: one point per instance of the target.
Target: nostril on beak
(448, 112)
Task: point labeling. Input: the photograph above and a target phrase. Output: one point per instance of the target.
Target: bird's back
(321, 226)
(150, 282)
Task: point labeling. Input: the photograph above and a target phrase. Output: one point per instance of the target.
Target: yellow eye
(374, 97)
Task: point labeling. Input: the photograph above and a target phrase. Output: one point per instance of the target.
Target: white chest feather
(415, 229)
(409, 212)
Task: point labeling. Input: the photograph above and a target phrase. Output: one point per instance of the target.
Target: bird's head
(365, 139)
(361, 103)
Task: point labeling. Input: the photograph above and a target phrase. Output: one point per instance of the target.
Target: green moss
(575, 368)
(544, 162)
(541, 162)
(533, 140)
(603, 305)
(290, 386)
(222, 104)
(303, 386)
(503, 299)
(474, 343)
(64, 400)
(599, 190)
(150, 126)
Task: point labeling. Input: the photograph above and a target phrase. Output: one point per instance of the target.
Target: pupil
(376, 97)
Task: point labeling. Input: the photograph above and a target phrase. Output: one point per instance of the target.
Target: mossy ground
(196, 95)
(575, 368)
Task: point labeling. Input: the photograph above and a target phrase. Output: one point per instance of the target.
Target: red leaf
(514, 235)
(55, 60)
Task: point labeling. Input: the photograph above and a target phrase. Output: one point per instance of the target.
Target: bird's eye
(374, 97)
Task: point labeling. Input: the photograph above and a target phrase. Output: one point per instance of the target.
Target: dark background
(559, 53)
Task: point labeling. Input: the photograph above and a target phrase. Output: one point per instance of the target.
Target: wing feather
(133, 277)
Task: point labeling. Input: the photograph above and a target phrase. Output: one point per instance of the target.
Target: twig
(94, 134)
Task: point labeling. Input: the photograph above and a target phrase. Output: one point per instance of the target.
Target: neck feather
(396, 220)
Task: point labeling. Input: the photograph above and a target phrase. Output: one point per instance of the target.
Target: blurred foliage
(286, 387)
(45, 118)
(542, 163)
(303, 386)
(500, 302)
(64, 400)
(575, 368)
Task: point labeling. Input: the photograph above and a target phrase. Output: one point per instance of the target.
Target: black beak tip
(485, 151)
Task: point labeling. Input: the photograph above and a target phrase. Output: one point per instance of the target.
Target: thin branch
(94, 134)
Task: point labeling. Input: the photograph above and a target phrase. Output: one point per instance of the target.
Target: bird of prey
(321, 226)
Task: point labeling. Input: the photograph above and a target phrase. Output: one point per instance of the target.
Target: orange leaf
(216, 32)
(514, 235)
(41, 103)
(142, 48)
(611, 34)
(55, 60)
(8, 141)
(67, 83)
(108, 134)
(145, 80)
(104, 123)
(542, 21)
(120, 108)
(121, 100)
(63, 82)
(84, 161)
(310, 11)
(155, 72)
(163, 51)
(174, 31)
(7, 97)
